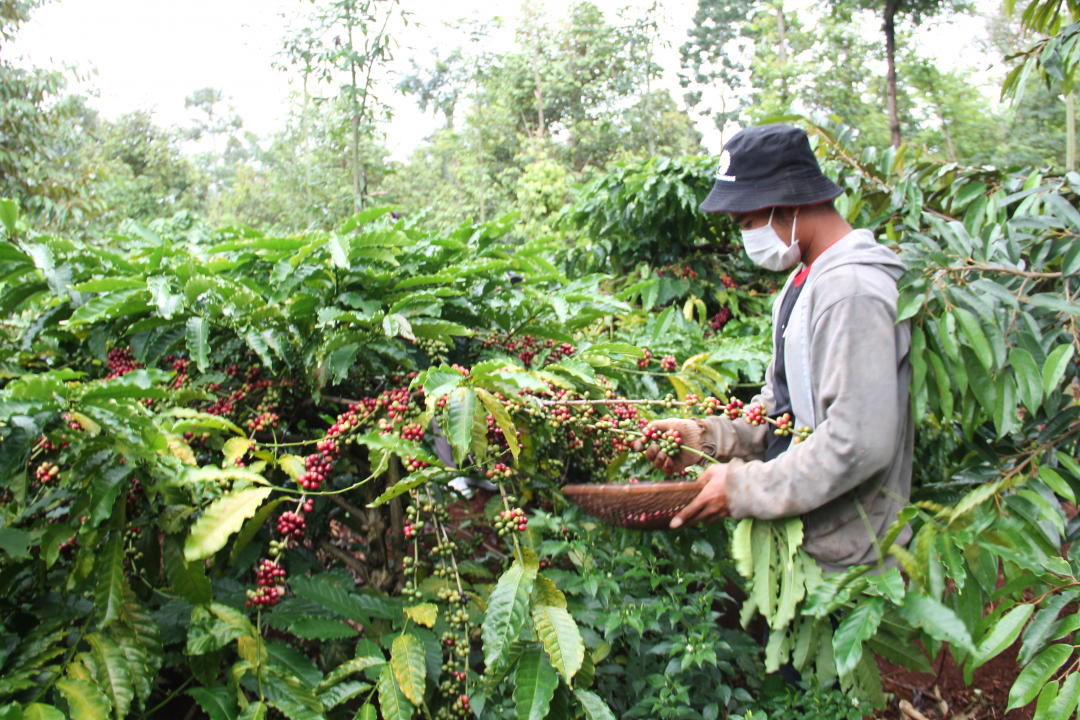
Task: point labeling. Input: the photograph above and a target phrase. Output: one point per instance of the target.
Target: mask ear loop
(794, 220)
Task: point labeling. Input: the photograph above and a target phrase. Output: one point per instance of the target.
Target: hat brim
(736, 197)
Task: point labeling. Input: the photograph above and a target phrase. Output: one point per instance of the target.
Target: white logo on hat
(722, 168)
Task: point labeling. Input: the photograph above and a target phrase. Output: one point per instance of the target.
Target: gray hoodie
(848, 373)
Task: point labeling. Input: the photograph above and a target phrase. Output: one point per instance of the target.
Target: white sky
(153, 53)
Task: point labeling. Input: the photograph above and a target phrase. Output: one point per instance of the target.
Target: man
(840, 365)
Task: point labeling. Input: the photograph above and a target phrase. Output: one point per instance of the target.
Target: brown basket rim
(655, 488)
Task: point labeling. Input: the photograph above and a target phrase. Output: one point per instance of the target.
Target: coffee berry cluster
(557, 351)
(670, 441)
(412, 464)
(263, 422)
(270, 578)
(409, 568)
(755, 415)
(455, 673)
(46, 471)
(510, 520)
(437, 350)
(292, 525)
(499, 471)
(413, 432)
(712, 406)
(317, 467)
(644, 362)
(121, 361)
(413, 523)
(669, 363)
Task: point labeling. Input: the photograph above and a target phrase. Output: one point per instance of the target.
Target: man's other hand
(711, 503)
(690, 433)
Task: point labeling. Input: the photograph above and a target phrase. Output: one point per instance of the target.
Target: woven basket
(640, 506)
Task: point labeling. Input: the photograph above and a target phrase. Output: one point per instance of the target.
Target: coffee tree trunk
(890, 55)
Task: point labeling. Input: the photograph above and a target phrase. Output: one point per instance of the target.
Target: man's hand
(711, 503)
(690, 433)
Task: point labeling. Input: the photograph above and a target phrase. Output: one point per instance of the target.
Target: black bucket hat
(768, 166)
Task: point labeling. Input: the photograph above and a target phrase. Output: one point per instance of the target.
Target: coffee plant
(221, 467)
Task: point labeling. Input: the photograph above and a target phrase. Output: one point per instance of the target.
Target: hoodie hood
(854, 265)
(859, 247)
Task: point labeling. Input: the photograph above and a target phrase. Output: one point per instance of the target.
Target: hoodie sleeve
(725, 439)
(854, 360)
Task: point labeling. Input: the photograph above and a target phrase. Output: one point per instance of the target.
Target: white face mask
(766, 249)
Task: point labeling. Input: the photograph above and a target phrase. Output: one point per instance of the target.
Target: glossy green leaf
(139, 638)
(321, 628)
(1065, 703)
(1043, 625)
(507, 609)
(974, 337)
(1057, 483)
(407, 662)
(1005, 404)
(1046, 699)
(85, 701)
(460, 411)
(741, 549)
(594, 706)
(587, 673)
(1068, 464)
(1003, 635)
(534, 684)
(1032, 678)
(113, 673)
(423, 614)
(223, 518)
(198, 341)
(856, 628)
(9, 215)
(188, 579)
(38, 711)
(16, 543)
(1054, 369)
(559, 634)
(367, 712)
(217, 702)
(109, 590)
(392, 702)
(938, 621)
(1028, 379)
(350, 667)
(331, 595)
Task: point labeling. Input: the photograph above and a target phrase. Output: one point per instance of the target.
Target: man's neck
(824, 230)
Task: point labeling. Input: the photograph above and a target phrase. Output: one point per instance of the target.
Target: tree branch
(346, 558)
(349, 508)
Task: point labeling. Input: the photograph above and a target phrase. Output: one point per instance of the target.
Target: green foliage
(40, 124)
(816, 702)
(1053, 56)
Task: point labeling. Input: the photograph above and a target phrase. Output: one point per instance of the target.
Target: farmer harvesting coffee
(840, 365)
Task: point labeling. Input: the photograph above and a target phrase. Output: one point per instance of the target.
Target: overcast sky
(153, 53)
